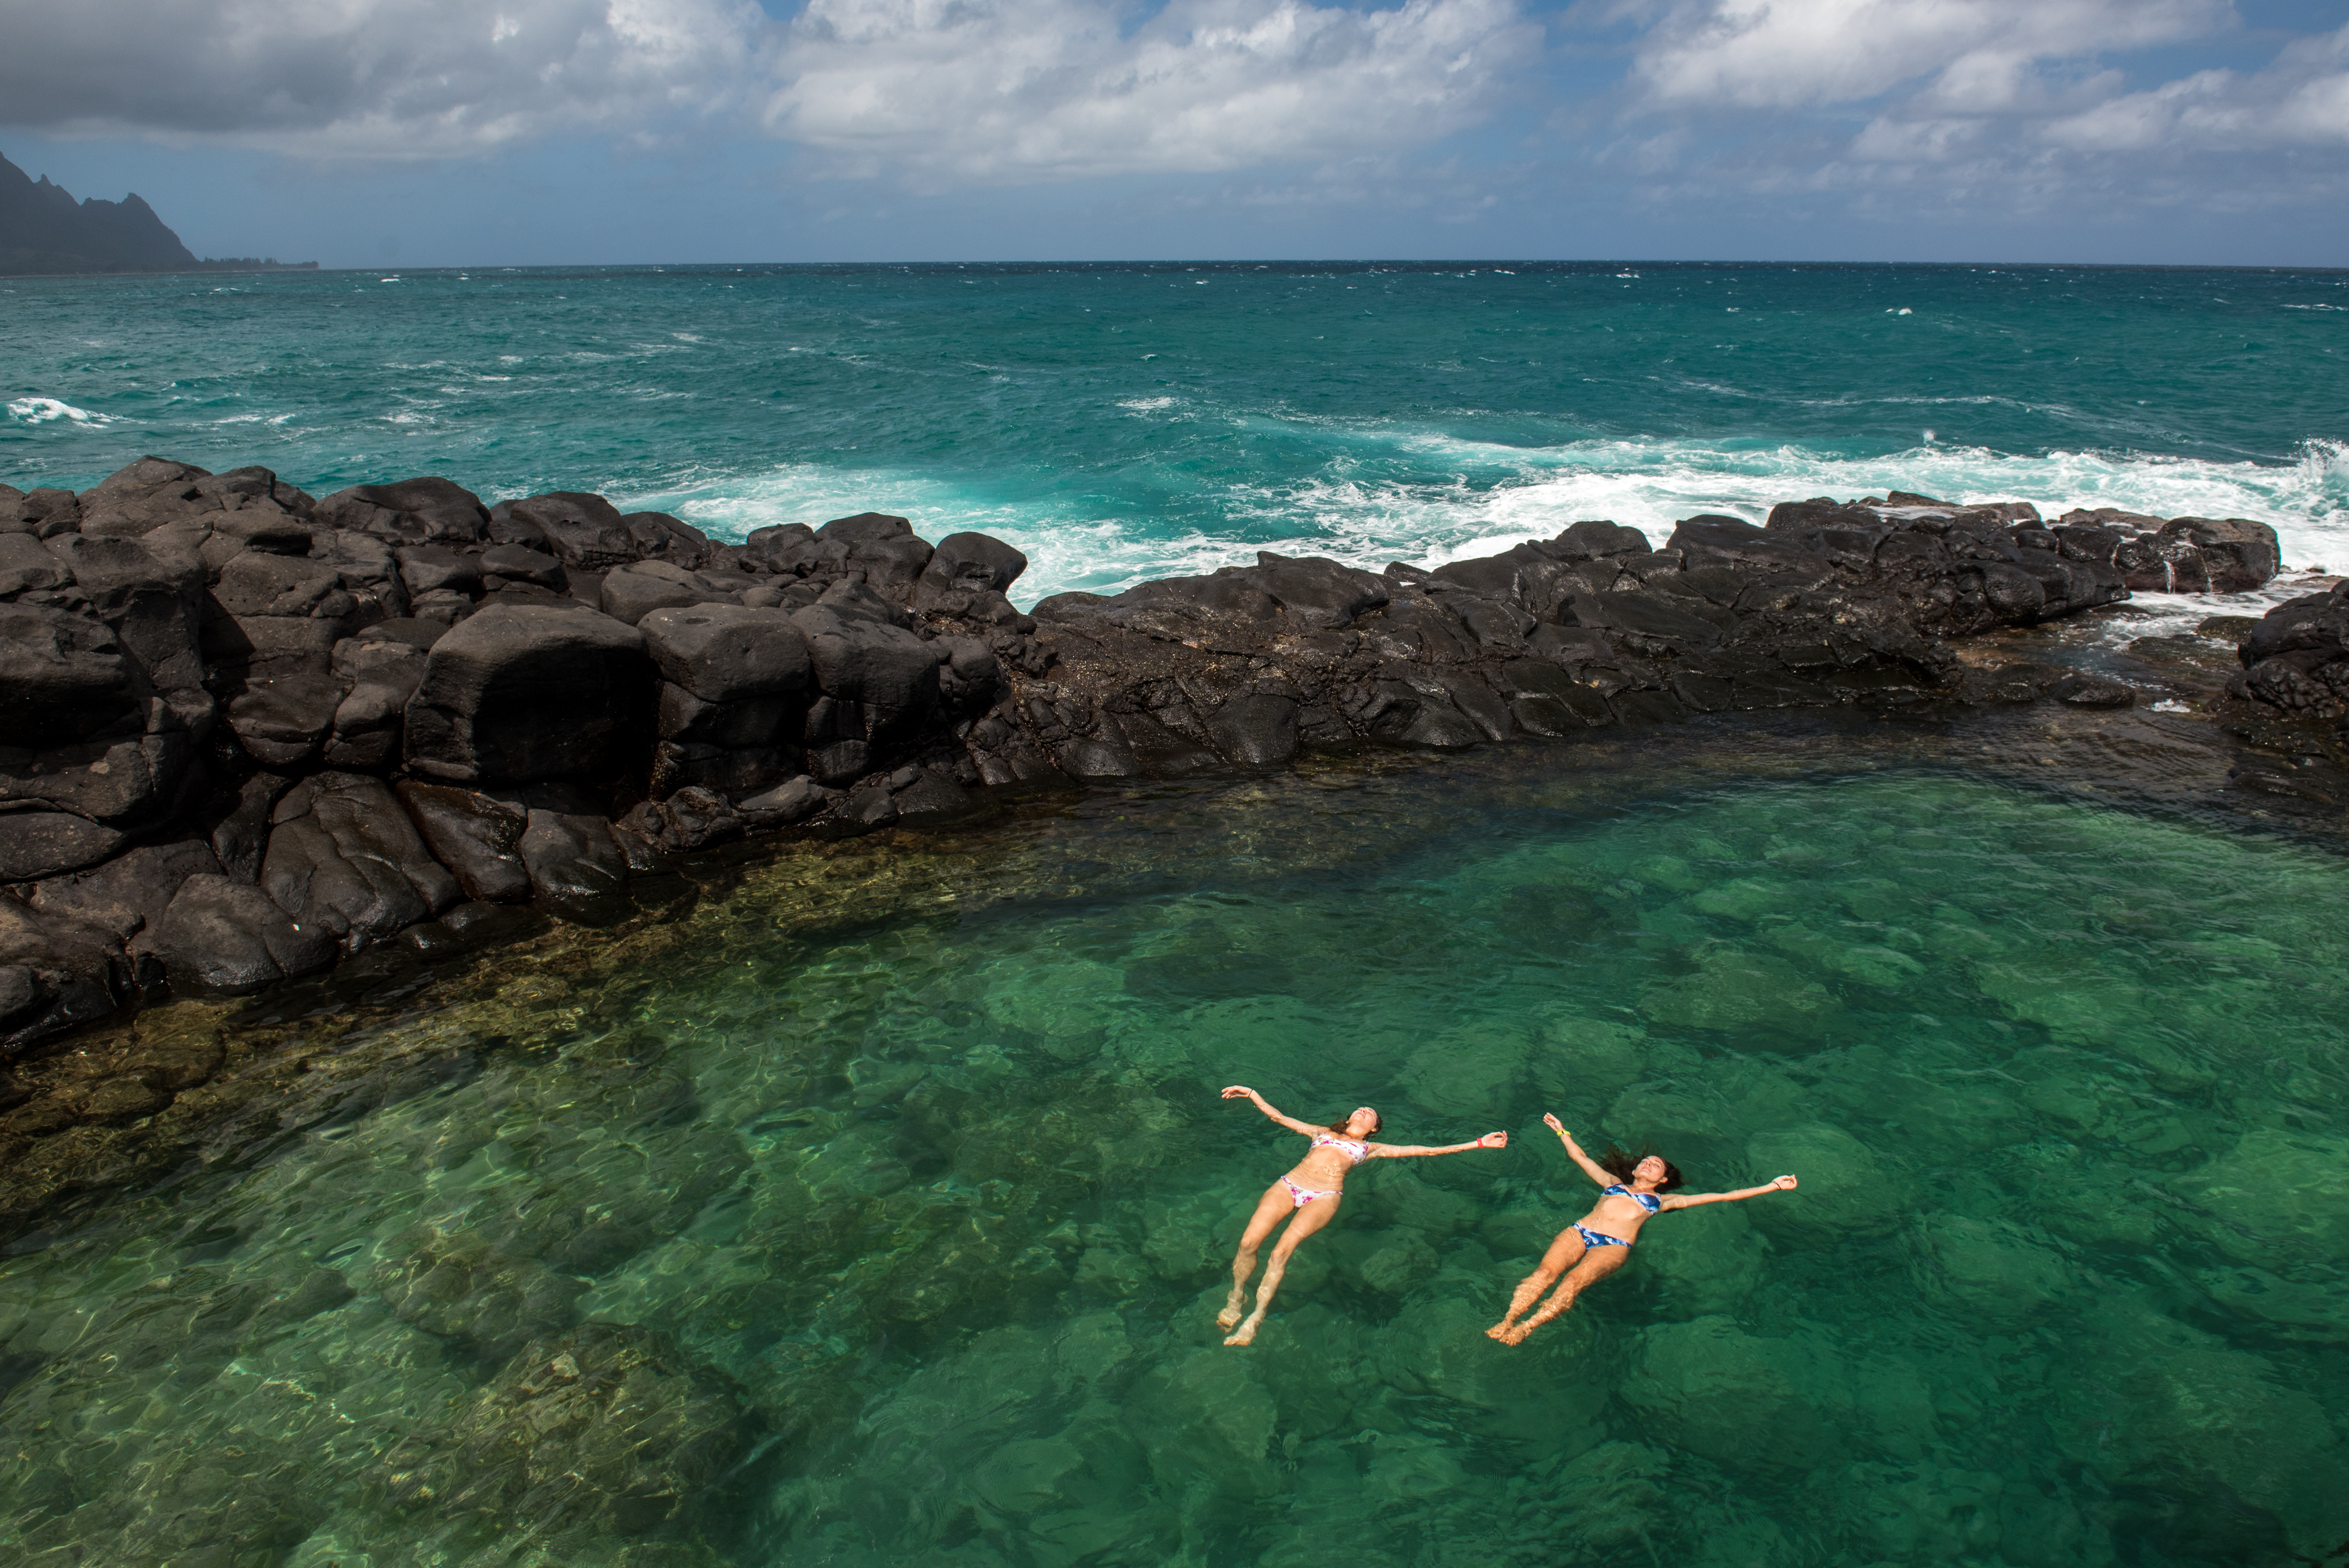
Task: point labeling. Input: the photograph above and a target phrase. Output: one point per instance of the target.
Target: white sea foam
(41, 410)
(1347, 512)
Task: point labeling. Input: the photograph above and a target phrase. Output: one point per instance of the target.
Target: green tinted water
(923, 1222)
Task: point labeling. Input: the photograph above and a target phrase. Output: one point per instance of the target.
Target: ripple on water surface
(769, 1239)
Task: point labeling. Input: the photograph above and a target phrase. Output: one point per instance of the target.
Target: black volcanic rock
(523, 692)
(241, 730)
(2297, 659)
(221, 936)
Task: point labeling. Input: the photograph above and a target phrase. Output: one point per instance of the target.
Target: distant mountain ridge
(44, 230)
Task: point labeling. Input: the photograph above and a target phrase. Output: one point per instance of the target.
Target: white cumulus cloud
(1023, 90)
(2301, 99)
(367, 78)
(1779, 54)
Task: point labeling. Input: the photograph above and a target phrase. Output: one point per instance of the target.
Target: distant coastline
(44, 232)
(224, 264)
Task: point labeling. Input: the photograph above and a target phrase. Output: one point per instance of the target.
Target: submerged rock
(601, 1431)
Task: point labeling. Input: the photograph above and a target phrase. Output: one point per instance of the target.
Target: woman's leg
(1310, 1219)
(1269, 1209)
(1595, 1264)
(1565, 1251)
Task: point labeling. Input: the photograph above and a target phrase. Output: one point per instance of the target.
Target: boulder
(369, 725)
(142, 496)
(1590, 538)
(886, 548)
(933, 797)
(26, 565)
(427, 568)
(62, 675)
(477, 836)
(259, 647)
(861, 660)
(344, 859)
(226, 937)
(42, 513)
(2297, 659)
(265, 531)
(129, 892)
(635, 592)
(379, 671)
(963, 569)
(369, 572)
(783, 804)
(574, 863)
(1257, 730)
(692, 817)
(55, 973)
(585, 532)
(150, 599)
(123, 780)
(658, 536)
(427, 510)
(36, 844)
(237, 823)
(519, 693)
(727, 653)
(503, 564)
(283, 721)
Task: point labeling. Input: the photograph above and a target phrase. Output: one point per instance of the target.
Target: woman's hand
(1785, 1183)
(1493, 1141)
(1555, 1125)
(1236, 1092)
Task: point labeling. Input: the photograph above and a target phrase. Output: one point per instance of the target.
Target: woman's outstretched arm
(1411, 1150)
(1691, 1200)
(1591, 1168)
(1290, 1122)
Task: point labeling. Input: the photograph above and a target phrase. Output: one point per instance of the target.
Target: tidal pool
(824, 1227)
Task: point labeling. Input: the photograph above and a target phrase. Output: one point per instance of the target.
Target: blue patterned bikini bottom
(1591, 1238)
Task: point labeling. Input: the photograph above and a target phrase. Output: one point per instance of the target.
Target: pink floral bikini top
(1357, 1152)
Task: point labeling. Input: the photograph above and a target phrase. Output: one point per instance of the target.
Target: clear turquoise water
(911, 1148)
(1118, 422)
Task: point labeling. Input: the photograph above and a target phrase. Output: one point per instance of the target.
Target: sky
(519, 132)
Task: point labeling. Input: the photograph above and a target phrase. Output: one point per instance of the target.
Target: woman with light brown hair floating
(1308, 1198)
(1631, 1193)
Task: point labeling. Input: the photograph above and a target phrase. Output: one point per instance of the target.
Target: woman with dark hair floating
(1630, 1193)
(1308, 1198)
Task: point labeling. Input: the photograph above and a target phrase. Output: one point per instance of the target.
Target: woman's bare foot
(1232, 1310)
(1500, 1330)
(1247, 1335)
(1513, 1336)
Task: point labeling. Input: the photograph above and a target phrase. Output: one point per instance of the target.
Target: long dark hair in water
(1619, 1165)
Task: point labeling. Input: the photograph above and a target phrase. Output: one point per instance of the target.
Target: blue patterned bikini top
(1647, 1200)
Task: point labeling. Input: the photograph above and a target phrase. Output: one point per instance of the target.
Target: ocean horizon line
(1500, 264)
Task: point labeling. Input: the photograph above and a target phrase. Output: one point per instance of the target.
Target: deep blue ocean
(870, 1204)
(1119, 421)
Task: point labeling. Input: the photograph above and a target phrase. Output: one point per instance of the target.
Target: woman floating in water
(1308, 1196)
(1600, 1242)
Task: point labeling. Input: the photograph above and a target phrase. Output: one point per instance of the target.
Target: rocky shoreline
(246, 734)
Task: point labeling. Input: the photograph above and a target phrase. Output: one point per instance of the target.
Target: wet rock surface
(373, 706)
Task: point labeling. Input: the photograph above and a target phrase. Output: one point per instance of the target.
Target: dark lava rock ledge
(245, 733)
